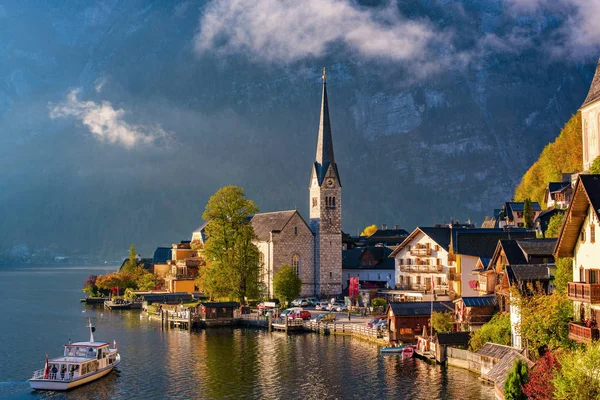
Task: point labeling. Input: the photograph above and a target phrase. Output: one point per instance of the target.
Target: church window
(331, 275)
(333, 205)
(296, 230)
(314, 201)
(296, 263)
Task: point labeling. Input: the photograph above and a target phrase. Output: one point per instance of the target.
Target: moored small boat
(82, 362)
(408, 352)
(393, 349)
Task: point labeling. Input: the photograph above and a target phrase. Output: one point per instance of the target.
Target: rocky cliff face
(411, 150)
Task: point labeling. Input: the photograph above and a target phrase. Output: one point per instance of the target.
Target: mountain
(412, 147)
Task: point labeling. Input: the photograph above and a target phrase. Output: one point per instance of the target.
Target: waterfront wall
(464, 359)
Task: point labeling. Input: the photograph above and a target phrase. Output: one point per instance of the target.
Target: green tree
(564, 273)
(369, 230)
(579, 375)
(131, 264)
(516, 378)
(554, 225)
(528, 213)
(146, 281)
(550, 331)
(442, 321)
(496, 330)
(595, 167)
(286, 283)
(234, 259)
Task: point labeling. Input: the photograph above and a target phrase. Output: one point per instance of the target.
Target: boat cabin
(80, 359)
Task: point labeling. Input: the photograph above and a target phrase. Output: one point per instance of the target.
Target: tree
(131, 264)
(516, 378)
(540, 386)
(552, 330)
(369, 230)
(579, 374)
(496, 330)
(442, 321)
(528, 213)
(229, 248)
(564, 273)
(89, 286)
(117, 282)
(595, 167)
(146, 281)
(554, 225)
(286, 283)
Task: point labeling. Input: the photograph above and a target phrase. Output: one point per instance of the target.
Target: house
(466, 250)
(386, 236)
(199, 234)
(540, 224)
(159, 260)
(499, 372)
(590, 119)
(577, 239)
(559, 194)
(443, 340)
(513, 213)
(470, 313)
(217, 311)
(182, 273)
(371, 265)
(421, 261)
(406, 320)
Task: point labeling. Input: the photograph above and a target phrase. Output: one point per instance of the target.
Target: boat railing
(40, 374)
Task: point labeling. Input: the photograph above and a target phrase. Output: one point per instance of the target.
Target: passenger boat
(82, 362)
(408, 352)
(393, 349)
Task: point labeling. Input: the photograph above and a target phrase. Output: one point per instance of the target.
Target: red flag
(432, 283)
(46, 368)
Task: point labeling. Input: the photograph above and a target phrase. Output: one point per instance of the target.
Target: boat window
(84, 369)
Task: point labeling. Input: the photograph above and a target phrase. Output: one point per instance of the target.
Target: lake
(41, 312)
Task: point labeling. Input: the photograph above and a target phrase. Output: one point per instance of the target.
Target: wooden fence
(464, 359)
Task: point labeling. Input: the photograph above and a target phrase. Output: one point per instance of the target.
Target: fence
(464, 359)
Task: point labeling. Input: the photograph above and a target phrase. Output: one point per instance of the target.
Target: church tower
(326, 208)
(590, 118)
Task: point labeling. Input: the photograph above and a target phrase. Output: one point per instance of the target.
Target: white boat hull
(57, 384)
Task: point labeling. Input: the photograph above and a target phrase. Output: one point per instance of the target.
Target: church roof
(594, 92)
(265, 223)
(325, 156)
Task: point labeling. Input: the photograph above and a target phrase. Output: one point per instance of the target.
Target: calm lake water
(41, 312)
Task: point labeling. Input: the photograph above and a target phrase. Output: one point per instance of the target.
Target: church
(314, 249)
(590, 118)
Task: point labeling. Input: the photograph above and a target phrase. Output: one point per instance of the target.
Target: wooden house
(219, 310)
(443, 340)
(490, 355)
(406, 320)
(470, 313)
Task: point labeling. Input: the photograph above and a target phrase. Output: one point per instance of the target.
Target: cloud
(106, 122)
(99, 84)
(289, 30)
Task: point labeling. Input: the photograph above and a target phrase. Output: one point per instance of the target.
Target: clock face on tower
(330, 182)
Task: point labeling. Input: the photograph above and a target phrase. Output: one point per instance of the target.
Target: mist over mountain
(119, 119)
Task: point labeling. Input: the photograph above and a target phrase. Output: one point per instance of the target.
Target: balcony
(420, 252)
(584, 292)
(582, 334)
(422, 268)
(453, 276)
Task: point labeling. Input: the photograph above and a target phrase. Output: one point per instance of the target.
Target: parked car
(341, 307)
(329, 317)
(322, 305)
(312, 301)
(304, 315)
(375, 321)
(382, 325)
(300, 302)
(285, 313)
(334, 306)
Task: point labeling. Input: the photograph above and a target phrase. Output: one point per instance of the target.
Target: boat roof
(74, 360)
(87, 344)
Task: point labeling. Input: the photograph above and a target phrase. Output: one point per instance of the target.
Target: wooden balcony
(582, 334)
(584, 292)
(420, 252)
(453, 276)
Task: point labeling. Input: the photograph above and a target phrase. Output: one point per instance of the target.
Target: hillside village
(472, 273)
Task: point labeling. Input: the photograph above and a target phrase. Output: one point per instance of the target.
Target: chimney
(395, 226)
(383, 227)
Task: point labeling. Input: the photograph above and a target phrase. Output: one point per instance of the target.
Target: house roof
(453, 338)
(557, 187)
(161, 255)
(440, 235)
(486, 301)
(586, 194)
(351, 259)
(494, 350)
(499, 372)
(512, 251)
(527, 273)
(265, 223)
(490, 223)
(549, 213)
(594, 92)
(481, 242)
(384, 233)
(537, 247)
(420, 307)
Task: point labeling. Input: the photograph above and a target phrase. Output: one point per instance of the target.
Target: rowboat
(82, 362)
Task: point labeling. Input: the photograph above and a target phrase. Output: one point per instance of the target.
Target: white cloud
(288, 30)
(99, 84)
(106, 122)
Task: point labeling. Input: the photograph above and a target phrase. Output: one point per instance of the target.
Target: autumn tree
(229, 249)
(496, 330)
(515, 380)
(442, 321)
(369, 230)
(595, 167)
(540, 386)
(528, 213)
(286, 284)
(554, 225)
(579, 374)
(131, 264)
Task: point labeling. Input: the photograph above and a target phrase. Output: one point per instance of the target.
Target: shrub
(378, 302)
(497, 330)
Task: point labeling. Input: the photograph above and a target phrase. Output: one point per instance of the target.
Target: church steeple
(325, 156)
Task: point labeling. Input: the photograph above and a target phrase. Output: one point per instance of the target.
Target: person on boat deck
(54, 370)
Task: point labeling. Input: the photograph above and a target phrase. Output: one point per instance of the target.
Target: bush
(497, 330)
(516, 378)
(378, 302)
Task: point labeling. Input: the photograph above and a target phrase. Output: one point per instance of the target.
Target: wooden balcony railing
(582, 334)
(420, 252)
(585, 292)
(422, 268)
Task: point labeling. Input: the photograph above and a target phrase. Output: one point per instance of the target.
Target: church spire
(325, 156)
